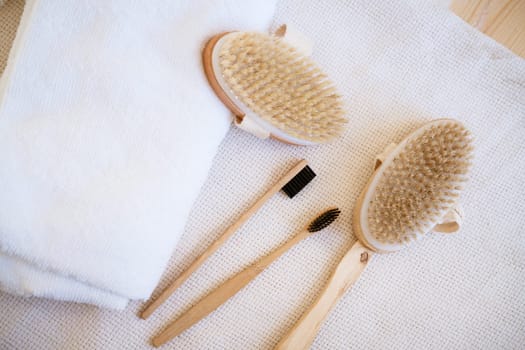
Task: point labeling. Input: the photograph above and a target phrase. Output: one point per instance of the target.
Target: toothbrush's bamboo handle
(205, 306)
(347, 272)
(220, 295)
(220, 241)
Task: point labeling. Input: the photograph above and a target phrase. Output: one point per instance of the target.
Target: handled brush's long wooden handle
(302, 335)
(216, 298)
(220, 241)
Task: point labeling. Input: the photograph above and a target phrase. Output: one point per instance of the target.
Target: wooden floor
(503, 20)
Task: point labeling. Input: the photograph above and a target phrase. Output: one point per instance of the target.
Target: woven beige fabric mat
(10, 14)
(398, 64)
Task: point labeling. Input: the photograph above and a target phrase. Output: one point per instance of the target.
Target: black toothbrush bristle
(299, 181)
(324, 220)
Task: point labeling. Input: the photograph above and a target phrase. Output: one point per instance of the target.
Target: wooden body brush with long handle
(273, 89)
(220, 295)
(291, 183)
(411, 193)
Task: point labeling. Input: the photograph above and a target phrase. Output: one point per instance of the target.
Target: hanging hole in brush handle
(250, 125)
(451, 222)
(294, 37)
(302, 335)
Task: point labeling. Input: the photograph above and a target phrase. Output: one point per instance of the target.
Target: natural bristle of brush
(324, 220)
(421, 183)
(299, 181)
(282, 86)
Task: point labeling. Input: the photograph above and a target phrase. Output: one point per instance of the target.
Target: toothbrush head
(324, 220)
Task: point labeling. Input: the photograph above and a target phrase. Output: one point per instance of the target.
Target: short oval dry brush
(264, 78)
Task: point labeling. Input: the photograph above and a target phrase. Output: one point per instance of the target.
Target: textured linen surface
(108, 130)
(9, 18)
(398, 65)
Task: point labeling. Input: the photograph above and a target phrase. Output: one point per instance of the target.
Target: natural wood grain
(503, 20)
(222, 239)
(347, 272)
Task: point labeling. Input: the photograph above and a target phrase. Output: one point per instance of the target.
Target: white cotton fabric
(398, 64)
(107, 131)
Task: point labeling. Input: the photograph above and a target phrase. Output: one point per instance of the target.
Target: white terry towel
(107, 131)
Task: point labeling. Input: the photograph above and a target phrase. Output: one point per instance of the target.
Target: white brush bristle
(282, 86)
(420, 184)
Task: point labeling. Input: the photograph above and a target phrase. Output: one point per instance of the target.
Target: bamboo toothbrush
(273, 89)
(291, 183)
(412, 192)
(220, 295)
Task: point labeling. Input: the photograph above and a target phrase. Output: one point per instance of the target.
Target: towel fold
(107, 131)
